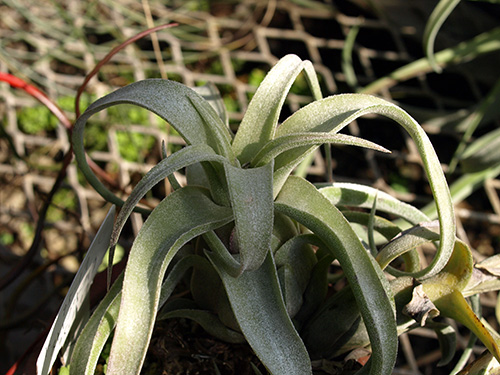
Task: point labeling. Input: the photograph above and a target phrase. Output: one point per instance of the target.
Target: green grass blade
(434, 23)
(181, 216)
(346, 62)
(258, 305)
(481, 154)
(173, 102)
(261, 118)
(250, 191)
(487, 107)
(301, 201)
(463, 187)
(466, 51)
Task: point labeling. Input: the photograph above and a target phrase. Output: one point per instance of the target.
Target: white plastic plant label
(76, 295)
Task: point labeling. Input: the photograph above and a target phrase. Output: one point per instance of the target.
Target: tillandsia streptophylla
(260, 240)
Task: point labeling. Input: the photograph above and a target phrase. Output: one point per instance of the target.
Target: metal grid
(54, 46)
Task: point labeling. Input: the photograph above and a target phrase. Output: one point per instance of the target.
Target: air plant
(259, 241)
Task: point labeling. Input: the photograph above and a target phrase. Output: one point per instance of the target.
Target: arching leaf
(181, 216)
(438, 16)
(301, 201)
(334, 113)
(187, 112)
(257, 303)
(261, 118)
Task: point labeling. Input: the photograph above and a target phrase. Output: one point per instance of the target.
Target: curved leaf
(356, 195)
(261, 118)
(173, 102)
(257, 303)
(389, 231)
(406, 241)
(181, 216)
(434, 23)
(332, 114)
(454, 305)
(185, 157)
(211, 94)
(295, 260)
(96, 332)
(316, 290)
(288, 142)
(331, 327)
(302, 202)
(76, 295)
(447, 339)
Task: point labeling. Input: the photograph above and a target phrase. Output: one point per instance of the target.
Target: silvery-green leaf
(181, 216)
(356, 195)
(406, 241)
(91, 341)
(211, 94)
(332, 325)
(97, 331)
(295, 260)
(173, 102)
(250, 191)
(261, 118)
(332, 114)
(76, 295)
(187, 156)
(302, 202)
(287, 142)
(257, 303)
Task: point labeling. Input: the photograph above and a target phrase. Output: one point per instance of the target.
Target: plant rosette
(265, 238)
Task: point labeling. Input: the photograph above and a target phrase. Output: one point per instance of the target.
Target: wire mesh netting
(54, 44)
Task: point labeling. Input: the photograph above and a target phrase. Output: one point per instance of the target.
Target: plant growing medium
(257, 241)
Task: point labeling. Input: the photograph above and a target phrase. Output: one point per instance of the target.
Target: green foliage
(64, 199)
(259, 242)
(134, 146)
(36, 120)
